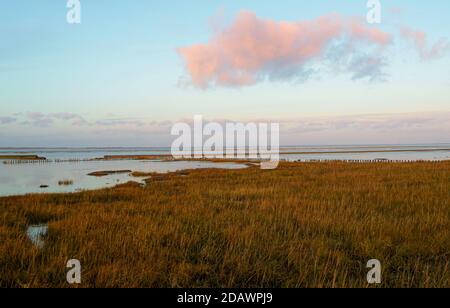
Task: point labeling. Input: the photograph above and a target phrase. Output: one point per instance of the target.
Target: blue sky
(119, 70)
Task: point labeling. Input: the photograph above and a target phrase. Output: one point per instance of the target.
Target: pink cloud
(253, 49)
(419, 39)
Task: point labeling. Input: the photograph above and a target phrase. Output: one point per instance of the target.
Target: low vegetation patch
(105, 173)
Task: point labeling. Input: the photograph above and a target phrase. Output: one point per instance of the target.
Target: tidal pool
(27, 178)
(36, 233)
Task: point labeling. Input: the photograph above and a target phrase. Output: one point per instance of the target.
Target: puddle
(35, 233)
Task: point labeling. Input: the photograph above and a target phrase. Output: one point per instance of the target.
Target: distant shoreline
(167, 148)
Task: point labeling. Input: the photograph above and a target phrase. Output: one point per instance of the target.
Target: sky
(131, 69)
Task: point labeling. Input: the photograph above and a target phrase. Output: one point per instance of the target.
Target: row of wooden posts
(49, 161)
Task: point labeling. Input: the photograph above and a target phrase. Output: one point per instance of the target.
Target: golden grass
(302, 225)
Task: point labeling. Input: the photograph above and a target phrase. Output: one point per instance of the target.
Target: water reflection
(46, 178)
(36, 233)
(21, 179)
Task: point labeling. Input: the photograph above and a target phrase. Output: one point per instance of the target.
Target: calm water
(82, 153)
(36, 233)
(438, 151)
(28, 178)
(393, 156)
(402, 152)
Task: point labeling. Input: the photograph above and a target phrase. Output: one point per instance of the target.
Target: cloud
(253, 49)
(406, 128)
(120, 122)
(407, 122)
(67, 122)
(43, 120)
(132, 125)
(367, 67)
(35, 115)
(38, 119)
(7, 120)
(403, 128)
(76, 119)
(420, 41)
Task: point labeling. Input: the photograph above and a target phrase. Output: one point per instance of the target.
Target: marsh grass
(302, 225)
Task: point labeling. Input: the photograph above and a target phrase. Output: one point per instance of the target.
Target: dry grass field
(302, 225)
